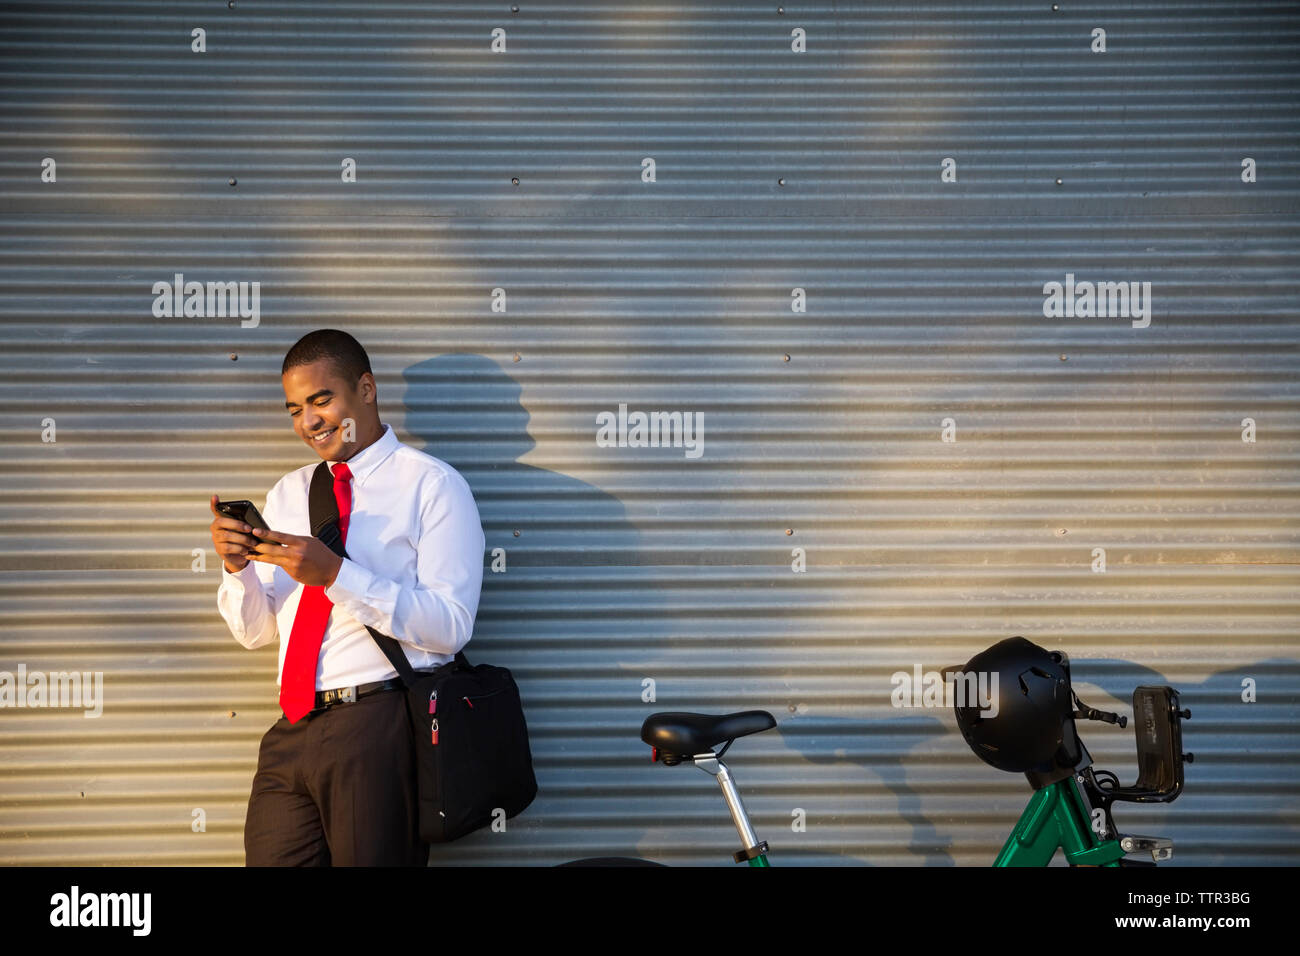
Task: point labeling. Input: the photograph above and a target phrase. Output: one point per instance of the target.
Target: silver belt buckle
(348, 694)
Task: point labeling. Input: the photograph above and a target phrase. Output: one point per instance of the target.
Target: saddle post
(752, 850)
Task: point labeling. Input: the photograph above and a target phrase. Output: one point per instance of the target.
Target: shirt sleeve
(245, 597)
(437, 614)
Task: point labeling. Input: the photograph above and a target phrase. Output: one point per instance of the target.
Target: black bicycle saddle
(689, 734)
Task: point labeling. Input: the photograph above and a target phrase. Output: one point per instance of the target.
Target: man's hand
(231, 538)
(303, 557)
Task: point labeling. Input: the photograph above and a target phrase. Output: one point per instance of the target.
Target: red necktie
(298, 682)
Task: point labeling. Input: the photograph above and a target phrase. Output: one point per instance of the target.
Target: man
(335, 781)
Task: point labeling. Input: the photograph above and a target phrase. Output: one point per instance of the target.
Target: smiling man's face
(319, 401)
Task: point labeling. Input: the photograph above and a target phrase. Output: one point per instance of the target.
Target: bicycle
(1036, 735)
(1071, 805)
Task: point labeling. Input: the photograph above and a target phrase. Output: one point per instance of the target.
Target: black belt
(341, 695)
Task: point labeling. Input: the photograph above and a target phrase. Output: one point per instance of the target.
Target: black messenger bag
(472, 757)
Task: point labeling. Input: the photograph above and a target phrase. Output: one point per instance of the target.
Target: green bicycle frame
(1057, 816)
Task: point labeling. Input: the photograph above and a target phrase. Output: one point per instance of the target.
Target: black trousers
(337, 788)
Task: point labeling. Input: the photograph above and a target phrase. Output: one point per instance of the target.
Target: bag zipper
(470, 700)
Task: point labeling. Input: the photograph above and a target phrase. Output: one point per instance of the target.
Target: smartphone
(244, 511)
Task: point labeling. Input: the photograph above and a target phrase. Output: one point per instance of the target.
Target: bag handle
(323, 513)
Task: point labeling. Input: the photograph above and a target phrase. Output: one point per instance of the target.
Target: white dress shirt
(414, 567)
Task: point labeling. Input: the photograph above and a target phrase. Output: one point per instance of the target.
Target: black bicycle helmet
(1032, 730)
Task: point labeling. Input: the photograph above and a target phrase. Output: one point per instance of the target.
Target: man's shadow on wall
(562, 593)
(468, 412)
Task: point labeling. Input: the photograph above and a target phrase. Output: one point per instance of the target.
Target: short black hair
(345, 354)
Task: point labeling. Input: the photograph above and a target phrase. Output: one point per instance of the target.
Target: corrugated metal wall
(774, 170)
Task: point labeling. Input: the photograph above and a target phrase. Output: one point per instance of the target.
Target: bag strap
(323, 513)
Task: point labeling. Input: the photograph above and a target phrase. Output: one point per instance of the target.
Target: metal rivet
(234, 357)
(514, 180)
(781, 181)
(785, 358)
(232, 180)
(1063, 357)
(516, 357)
(1058, 182)
(789, 531)
(516, 534)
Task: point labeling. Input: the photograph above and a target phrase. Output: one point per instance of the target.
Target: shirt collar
(369, 458)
